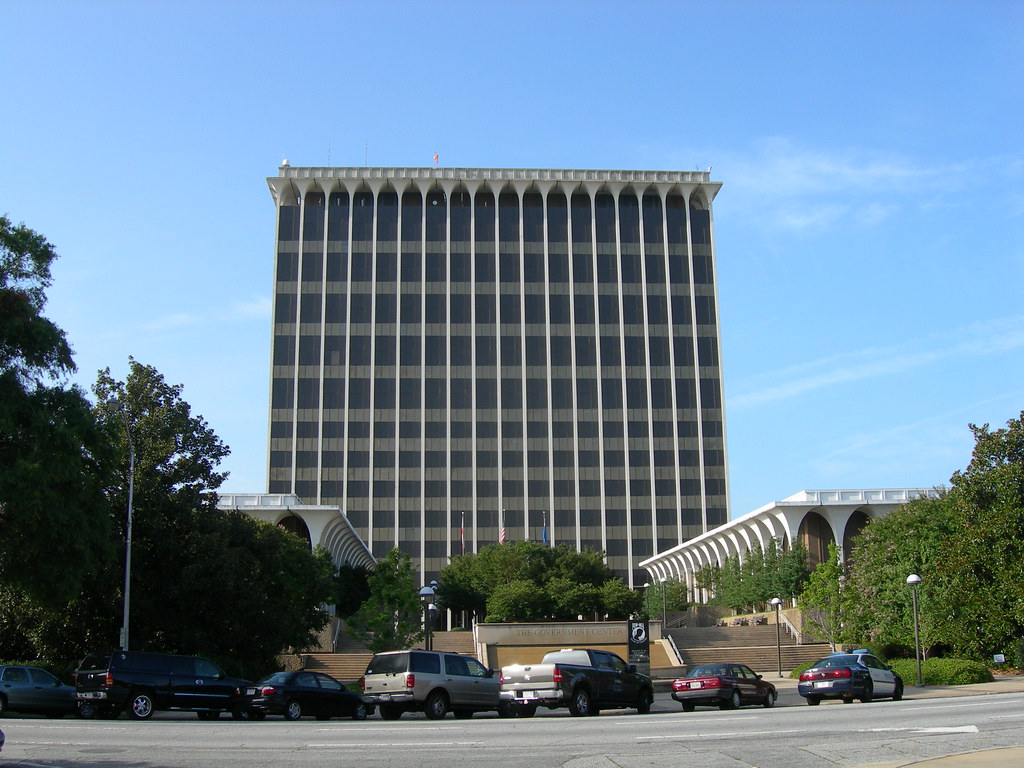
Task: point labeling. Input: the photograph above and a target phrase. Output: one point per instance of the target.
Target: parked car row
(433, 682)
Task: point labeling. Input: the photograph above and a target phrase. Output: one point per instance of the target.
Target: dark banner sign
(639, 642)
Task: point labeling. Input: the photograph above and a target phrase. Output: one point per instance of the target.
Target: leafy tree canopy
(53, 526)
(563, 583)
(390, 619)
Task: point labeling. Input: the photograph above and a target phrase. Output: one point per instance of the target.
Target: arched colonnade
(817, 518)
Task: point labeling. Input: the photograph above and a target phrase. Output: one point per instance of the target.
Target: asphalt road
(793, 735)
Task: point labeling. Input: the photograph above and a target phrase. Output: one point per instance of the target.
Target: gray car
(32, 690)
(431, 682)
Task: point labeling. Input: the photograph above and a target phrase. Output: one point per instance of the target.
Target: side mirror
(490, 672)
(631, 669)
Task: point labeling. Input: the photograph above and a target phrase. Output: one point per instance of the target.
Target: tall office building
(463, 354)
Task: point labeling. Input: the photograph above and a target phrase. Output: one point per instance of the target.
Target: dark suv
(142, 683)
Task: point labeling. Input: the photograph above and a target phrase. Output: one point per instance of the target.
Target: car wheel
(770, 697)
(140, 706)
(87, 709)
(292, 710)
(643, 703)
(688, 706)
(506, 709)
(847, 699)
(866, 696)
(526, 710)
(579, 703)
(388, 712)
(359, 712)
(436, 706)
(814, 700)
(897, 692)
(240, 713)
(3, 704)
(733, 702)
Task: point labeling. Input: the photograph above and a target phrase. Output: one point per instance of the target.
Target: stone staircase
(753, 645)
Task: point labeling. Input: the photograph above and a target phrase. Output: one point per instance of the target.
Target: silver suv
(429, 681)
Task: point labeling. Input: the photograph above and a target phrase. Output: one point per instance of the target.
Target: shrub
(943, 671)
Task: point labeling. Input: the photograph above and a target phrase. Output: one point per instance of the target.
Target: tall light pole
(777, 604)
(913, 580)
(126, 613)
(647, 600)
(664, 600)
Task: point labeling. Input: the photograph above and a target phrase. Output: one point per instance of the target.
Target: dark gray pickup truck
(583, 679)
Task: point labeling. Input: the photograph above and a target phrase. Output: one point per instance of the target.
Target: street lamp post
(777, 604)
(126, 611)
(647, 599)
(664, 600)
(913, 580)
(427, 594)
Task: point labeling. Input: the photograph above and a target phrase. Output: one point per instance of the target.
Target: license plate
(696, 684)
(250, 691)
(823, 684)
(385, 697)
(527, 694)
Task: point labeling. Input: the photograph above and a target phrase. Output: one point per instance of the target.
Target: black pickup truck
(141, 683)
(583, 679)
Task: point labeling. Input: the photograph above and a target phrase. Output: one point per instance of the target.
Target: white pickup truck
(583, 679)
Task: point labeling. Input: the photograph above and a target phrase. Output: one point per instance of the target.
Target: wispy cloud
(173, 321)
(980, 339)
(799, 188)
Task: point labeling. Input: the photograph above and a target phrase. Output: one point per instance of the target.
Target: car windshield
(708, 670)
(837, 661)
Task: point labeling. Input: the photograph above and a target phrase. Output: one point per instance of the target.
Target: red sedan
(727, 686)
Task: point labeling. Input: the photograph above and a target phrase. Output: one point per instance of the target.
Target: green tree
(351, 589)
(823, 601)
(517, 600)
(912, 539)
(53, 526)
(391, 618)
(981, 574)
(470, 582)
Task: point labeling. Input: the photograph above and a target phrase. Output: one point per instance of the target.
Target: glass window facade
(461, 351)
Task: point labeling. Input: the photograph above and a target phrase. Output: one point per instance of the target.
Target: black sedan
(36, 691)
(294, 694)
(855, 675)
(727, 686)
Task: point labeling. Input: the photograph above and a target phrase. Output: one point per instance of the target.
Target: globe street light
(777, 604)
(913, 580)
(647, 600)
(427, 594)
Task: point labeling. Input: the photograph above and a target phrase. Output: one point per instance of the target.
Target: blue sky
(868, 231)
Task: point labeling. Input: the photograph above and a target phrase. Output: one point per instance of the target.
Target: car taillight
(713, 682)
(268, 690)
(362, 684)
(501, 678)
(410, 680)
(825, 674)
(678, 685)
(108, 681)
(842, 672)
(556, 676)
